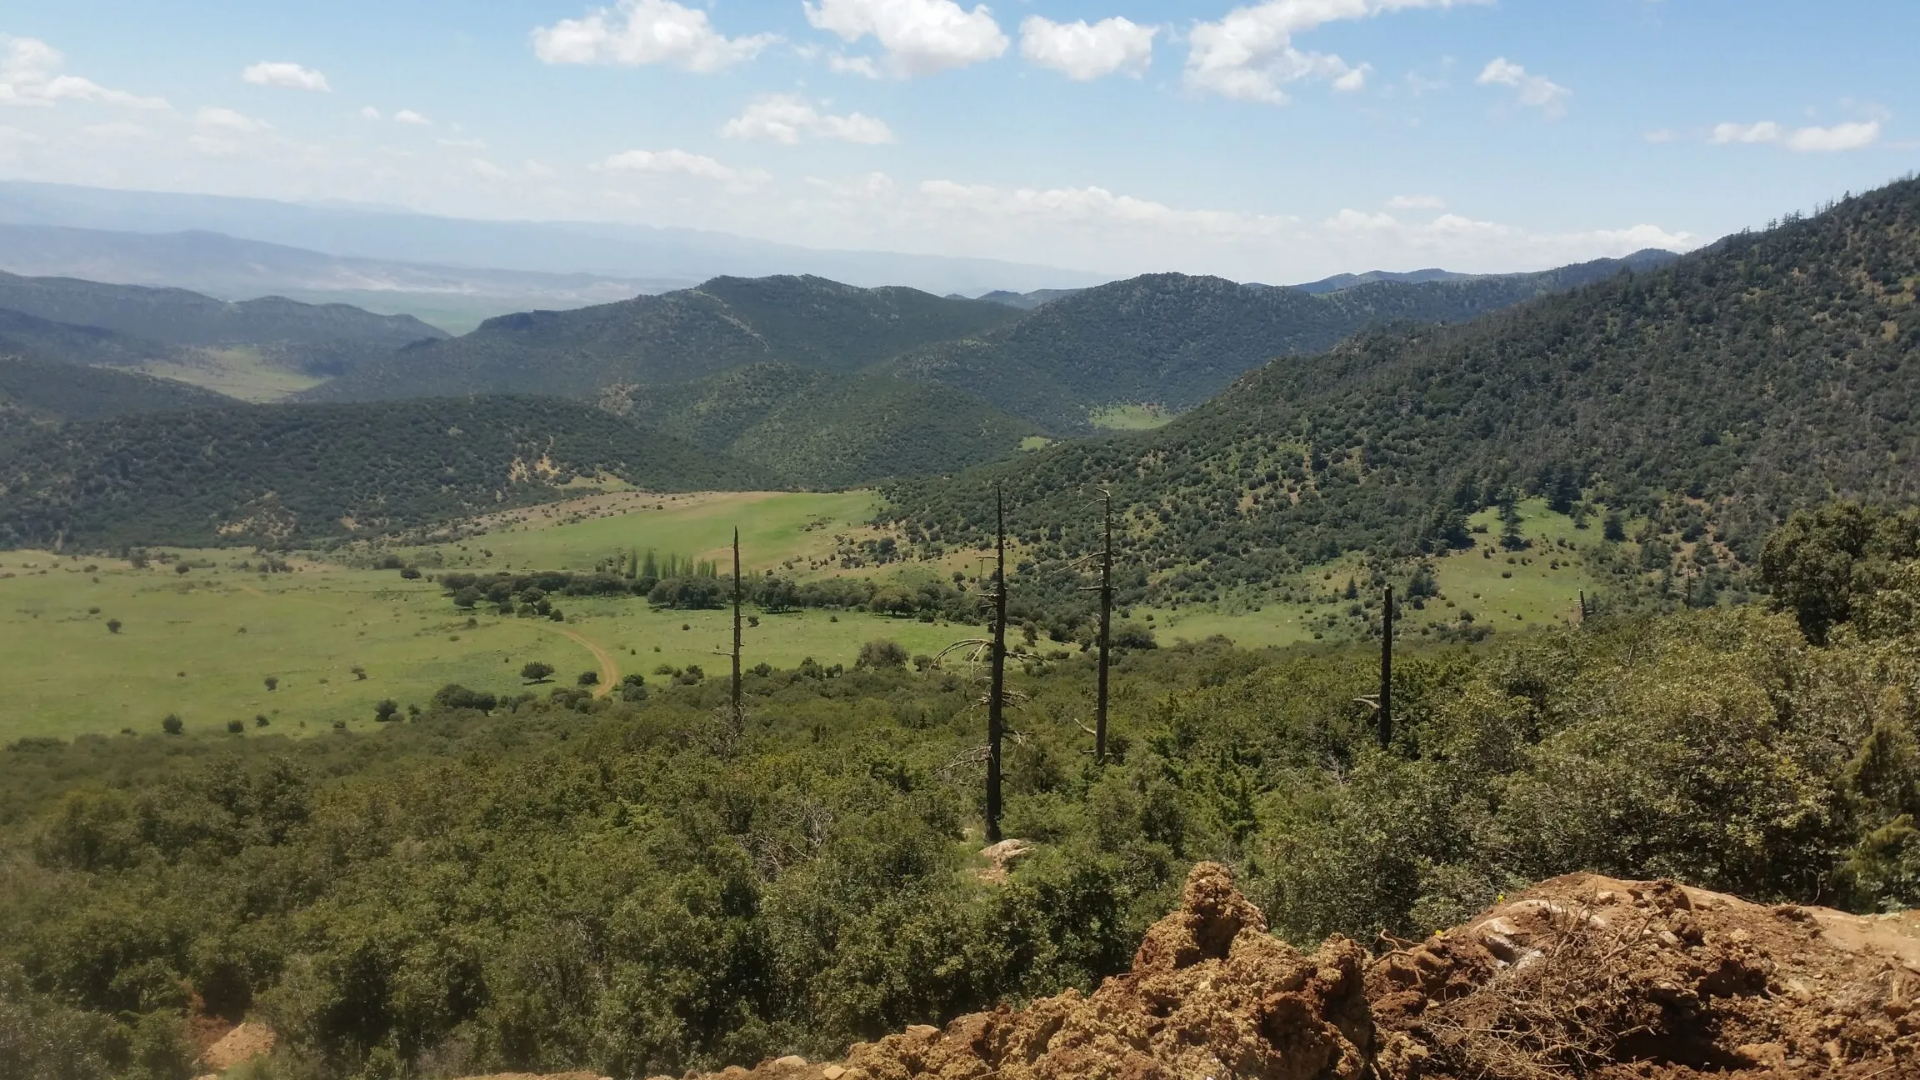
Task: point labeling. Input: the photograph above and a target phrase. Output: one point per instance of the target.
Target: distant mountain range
(89, 322)
(596, 249)
(1411, 277)
(233, 269)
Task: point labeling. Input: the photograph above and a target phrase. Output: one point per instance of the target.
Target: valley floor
(202, 644)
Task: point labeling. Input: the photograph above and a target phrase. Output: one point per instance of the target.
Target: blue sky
(1274, 141)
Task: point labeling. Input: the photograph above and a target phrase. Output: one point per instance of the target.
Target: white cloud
(290, 76)
(1094, 206)
(682, 163)
(920, 36)
(1084, 51)
(1664, 135)
(408, 116)
(1354, 80)
(463, 144)
(228, 120)
(862, 66)
(30, 75)
(1249, 55)
(1457, 239)
(646, 32)
(867, 188)
(1807, 140)
(784, 118)
(369, 113)
(1416, 202)
(1535, 91)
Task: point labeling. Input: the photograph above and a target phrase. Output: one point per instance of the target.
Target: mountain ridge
(1768, 372)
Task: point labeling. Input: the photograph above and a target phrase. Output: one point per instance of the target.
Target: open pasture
(776, 529)
(201, 645)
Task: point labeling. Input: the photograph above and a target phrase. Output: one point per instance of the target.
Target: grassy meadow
(201, 644)
(239, 372)
(1130, 417)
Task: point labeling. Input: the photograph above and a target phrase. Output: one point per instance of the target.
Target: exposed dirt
(1591, 976)
(1580, 977)
(243, 1043)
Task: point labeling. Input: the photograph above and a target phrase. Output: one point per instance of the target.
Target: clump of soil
(1211, 994)
(241, 1043)
(1588, 976)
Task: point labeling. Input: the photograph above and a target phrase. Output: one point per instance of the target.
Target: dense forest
(49, 391)
(515, 877)
(45, 339)
(679, 336)
(823, 429)
(1177, 340)
(275, 474)
(1711, 396)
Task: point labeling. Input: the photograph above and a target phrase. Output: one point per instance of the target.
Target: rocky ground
(1580, 977)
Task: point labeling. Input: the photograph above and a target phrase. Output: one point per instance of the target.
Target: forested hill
(823, 429)
(179, 317)
(45, 390)
(1773, 370)
(1176, 340)
(275, 473)
(22, 334)
(323, 339)
(680, 336)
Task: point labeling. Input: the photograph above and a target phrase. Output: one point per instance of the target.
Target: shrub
(882, 654)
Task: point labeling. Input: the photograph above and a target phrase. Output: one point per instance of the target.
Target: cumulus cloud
(863, 66)
(786, 118)
(1083, 51)
(30, 75)
(1416, 202)
(1094, 205)
(1475, 242)
(409, 117)
(218, 119)
(865, 189)
(369, 113)
(1250, 54)
(646, 32)
(1534, 91)
(680, 163)
(290, 76)
(1807, 140)
(920, 37)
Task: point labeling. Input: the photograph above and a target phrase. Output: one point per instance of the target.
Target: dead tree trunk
(1386, 672)
(738, 717)
(1106, 637)
(996, 717)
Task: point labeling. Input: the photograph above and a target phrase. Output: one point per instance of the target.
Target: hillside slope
(725, 323)
(50, 390)
(318, 337)
(278, 473)
(1176, 340)
(31, 335)
(1771, 371)
(823, 429)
